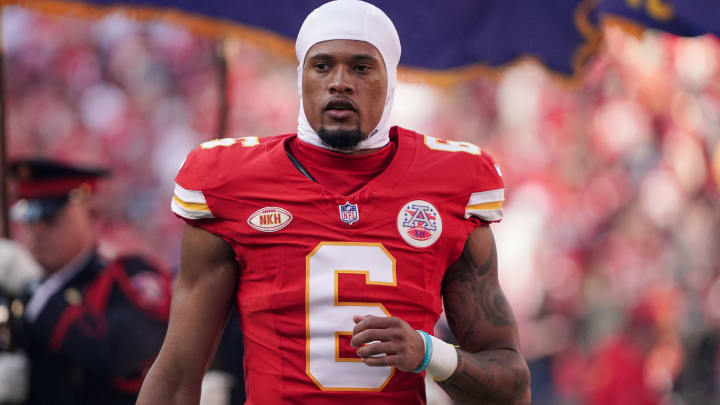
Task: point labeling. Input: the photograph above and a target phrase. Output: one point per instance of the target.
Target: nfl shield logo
(349, 213)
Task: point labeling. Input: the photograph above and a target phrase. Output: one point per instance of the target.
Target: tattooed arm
(490, 367)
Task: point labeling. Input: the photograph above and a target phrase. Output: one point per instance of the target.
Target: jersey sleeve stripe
(487, 196)
(486, 205)
(189, 214)
(189, 196)
(490, 216)
(190, 204)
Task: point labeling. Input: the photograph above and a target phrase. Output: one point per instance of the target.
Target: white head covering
(355, 20)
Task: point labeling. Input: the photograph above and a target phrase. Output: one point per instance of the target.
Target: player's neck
(342, 173)
(358, 152)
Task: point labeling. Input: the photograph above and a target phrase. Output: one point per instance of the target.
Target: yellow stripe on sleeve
(191, 206)
(485, 206)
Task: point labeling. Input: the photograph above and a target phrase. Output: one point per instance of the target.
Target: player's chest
(377, 245)
(409, 218)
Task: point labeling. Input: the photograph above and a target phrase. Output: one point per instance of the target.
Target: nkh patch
(270, 219)
(419, 223)
(349, 213)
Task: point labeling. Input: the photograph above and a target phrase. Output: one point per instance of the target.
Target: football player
(341, 244)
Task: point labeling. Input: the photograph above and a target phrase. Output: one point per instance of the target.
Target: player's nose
(341, 81)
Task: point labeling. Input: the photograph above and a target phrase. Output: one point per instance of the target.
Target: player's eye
(362, 68)
(322, 67)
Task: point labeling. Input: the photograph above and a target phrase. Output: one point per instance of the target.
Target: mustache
(340, 104)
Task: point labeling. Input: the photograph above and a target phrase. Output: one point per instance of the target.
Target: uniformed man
(90, 327)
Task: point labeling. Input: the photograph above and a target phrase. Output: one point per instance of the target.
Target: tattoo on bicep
(496, 307)
(472, 287)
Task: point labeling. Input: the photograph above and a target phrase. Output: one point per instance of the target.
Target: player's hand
(394, 342)
(17, 268)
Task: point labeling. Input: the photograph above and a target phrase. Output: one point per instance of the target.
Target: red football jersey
(310, 258)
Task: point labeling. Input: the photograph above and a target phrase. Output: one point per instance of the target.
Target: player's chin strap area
(298, 165)
(440, 359)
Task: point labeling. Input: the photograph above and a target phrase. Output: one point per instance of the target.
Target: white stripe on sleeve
(190, 204)
(486, 205)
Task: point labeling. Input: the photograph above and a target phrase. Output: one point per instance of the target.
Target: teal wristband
(428, 352)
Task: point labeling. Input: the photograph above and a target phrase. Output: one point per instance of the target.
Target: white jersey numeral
(327, 318)
(451, 146)
(246, 142)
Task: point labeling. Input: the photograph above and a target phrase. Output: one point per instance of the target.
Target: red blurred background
(609, 251)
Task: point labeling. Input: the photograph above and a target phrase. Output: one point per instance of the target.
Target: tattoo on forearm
(486, 376)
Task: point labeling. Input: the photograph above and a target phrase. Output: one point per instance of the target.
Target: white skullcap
(354, 20)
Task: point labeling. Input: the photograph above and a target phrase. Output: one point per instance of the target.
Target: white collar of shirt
(54, 283)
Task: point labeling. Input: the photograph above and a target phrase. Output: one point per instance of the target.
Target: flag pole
(221, 62)
(3, 139)
(8, 329)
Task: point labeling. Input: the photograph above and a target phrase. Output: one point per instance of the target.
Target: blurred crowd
(609, 247)
(613, 221)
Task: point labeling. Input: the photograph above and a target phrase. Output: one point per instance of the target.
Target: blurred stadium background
(610, 248)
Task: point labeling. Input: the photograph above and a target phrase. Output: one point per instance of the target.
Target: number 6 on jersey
(327, 318)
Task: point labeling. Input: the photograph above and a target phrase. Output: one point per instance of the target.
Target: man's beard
(345, 140)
